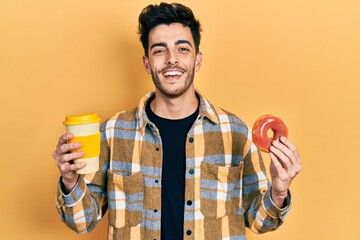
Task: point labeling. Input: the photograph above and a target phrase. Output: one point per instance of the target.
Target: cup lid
(81, 119)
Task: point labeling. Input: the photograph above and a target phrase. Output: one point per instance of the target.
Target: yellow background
(296, 59)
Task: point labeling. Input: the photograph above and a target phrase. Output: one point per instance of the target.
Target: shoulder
(227, 117)
(217, 114)
(120, 119)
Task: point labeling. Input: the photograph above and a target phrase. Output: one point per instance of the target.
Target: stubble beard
(176, 92)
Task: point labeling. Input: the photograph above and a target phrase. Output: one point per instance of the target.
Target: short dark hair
(165, 13)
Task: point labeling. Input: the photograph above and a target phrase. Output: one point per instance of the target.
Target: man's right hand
(64, 160)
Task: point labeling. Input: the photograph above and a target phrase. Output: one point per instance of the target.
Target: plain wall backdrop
(296, 59)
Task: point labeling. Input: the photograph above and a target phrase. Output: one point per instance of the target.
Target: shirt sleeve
(261, 213)
(274, 211)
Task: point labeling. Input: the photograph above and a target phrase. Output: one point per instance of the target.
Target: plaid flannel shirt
(226, 187)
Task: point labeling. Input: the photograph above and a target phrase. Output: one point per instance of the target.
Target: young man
(176, 166)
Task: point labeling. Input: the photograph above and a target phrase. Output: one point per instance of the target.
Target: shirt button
(191, 140)
(156, 181)
(189, 202)
(188, 232)
(157, 149)
(191, 171)
(155, 210)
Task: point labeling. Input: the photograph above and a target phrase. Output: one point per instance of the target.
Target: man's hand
(285, 165)
(64, 160)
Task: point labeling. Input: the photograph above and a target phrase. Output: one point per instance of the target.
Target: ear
(146, 63)
(198, 61)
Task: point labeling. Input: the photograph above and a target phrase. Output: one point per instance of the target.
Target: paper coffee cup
(85, 128)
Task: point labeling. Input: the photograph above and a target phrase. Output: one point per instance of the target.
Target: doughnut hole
(270, 133)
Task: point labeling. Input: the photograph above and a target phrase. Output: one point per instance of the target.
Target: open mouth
(172, 72)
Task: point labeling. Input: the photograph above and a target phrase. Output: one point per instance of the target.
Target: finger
(76, 166)
(62, 153)
(292, 147)
(67, 168)
(70, 168)
(71, 156)
(64, 138)
(281, 170)
(275, 162)
(286, 151)
(54, 155)
(292, 153)
(65, 148)
(283, 160)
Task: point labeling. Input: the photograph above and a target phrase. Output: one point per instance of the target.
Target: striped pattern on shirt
(226, 188)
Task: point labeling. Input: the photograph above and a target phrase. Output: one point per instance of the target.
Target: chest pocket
(220, 190)
(125, 199)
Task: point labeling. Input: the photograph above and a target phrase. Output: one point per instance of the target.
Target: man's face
(172, 59)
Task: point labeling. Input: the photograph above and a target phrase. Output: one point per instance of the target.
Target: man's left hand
(285, 165)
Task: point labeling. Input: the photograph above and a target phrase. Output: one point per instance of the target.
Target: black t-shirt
(173, 136)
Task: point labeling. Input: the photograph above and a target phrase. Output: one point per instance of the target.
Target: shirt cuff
(76, 194)
(272, 209)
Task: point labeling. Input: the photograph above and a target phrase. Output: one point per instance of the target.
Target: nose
(171, 58)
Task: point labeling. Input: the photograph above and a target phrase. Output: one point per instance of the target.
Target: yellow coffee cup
(85, 128)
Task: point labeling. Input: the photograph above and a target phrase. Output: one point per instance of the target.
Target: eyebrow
(178, 42)
(160, 44)
(163, 44)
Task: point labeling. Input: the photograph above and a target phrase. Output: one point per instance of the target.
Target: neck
(174, 108)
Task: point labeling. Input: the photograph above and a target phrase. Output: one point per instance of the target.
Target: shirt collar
(206, 109)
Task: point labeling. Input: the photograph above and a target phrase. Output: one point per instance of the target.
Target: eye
(184, 49)
(158, 51)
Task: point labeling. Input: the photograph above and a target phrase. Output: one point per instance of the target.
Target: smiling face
(172, 59)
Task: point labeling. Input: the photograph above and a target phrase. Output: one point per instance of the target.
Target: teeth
(172, 73)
